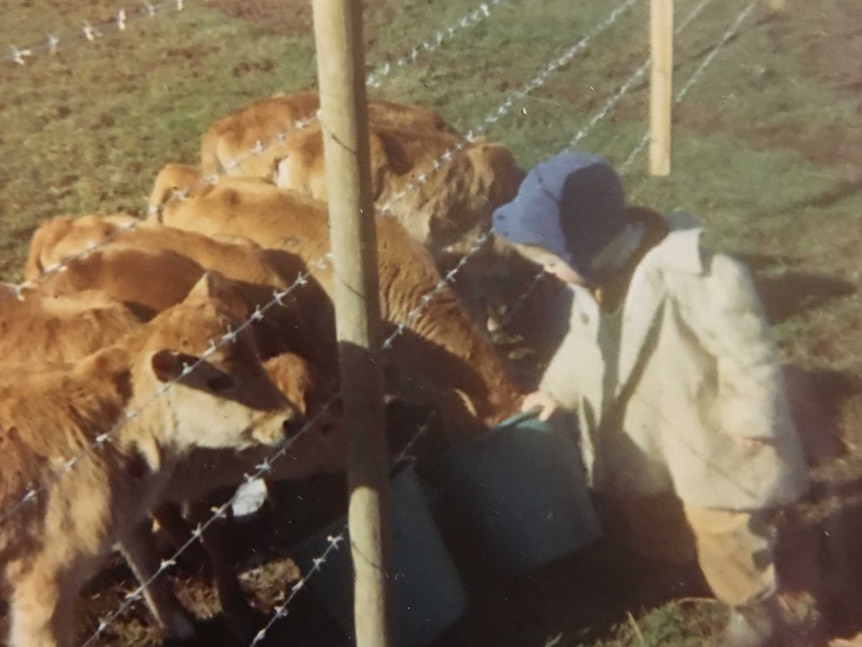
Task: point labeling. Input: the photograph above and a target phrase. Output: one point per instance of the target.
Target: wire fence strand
(493, 117)
(608, 106)
(445, 281)
(696, 75)
(90, 31)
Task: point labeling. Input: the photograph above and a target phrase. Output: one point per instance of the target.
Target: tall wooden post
(661, 85)
(344, 120)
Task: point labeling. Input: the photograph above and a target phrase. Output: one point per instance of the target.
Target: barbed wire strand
(671, 424)
(636, 76)
(387, 344)
(608, 106)
(504, 108)
(18, 289)
(696, 75)
(489, 120)
(486, 123)
(492, 118)
(91, 32)
(219, 512)
(470, 19)
(280, 611)
(373, 79)
(105, 437)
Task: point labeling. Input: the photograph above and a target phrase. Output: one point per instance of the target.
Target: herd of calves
(131, 386)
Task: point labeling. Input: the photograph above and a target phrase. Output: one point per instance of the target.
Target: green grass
(671, 625)
(767, 148)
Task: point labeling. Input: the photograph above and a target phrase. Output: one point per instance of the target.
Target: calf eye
(219, 383)
(327, 428)
(293, 427)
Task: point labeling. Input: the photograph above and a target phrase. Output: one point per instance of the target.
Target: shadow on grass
(789, 293)
(846, 188)
(820, 545)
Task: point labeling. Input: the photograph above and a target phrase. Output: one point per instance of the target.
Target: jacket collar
(680, 249)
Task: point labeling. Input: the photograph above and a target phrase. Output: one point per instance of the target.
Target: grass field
(767, 151)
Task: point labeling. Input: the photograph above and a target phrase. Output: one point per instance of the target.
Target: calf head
(219, 395)
(322, 445)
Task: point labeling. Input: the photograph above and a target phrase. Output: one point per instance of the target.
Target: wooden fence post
(344, 121)
(661, 85)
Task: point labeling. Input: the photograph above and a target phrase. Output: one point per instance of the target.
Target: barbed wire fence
(374, 79)
(427, 298)
(608, 106)
(491, 118)
(90, 31)
(471, 19)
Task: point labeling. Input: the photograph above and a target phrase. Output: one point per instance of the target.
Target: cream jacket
(662, 387)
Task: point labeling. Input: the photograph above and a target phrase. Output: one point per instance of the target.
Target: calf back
(43, 328)
(441, 330)
(227, 144)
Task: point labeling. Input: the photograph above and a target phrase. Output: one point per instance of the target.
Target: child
(669, 367)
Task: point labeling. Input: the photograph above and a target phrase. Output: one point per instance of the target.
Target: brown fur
(175, 178)
(447, 211)
(58, 239)
(148, 281)
(441, 350)
(237, 133)
(51, 546)
(130, 274)
(152, 267)
(48, 235)
(43, 328)
(320, 448)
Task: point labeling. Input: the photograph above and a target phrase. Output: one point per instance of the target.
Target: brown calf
(441, 351)
(154, 265)
(175, 178)
(51, 546)
(150, 282)
(447, 211)
(44, 329)
(235, 135)
(197, 480)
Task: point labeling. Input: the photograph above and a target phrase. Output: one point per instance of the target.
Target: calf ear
(208, 286)
(167, 364)
(213, 285)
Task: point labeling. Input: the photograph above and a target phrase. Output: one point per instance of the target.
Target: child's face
(552, 264)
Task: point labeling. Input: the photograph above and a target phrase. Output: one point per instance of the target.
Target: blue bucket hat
(572, 205)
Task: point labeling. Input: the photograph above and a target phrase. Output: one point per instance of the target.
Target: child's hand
(541, 401)
(744, 441)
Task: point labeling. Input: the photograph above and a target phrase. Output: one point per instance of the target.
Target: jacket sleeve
(751, 399)
(559, 379)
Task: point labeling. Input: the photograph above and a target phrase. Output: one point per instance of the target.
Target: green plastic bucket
(520, 490)
(429, 594)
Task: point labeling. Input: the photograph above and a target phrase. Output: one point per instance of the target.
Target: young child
(670, 370)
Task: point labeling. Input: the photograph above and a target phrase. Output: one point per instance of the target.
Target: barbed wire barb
(278, 296)
(597, 117)
(91, 31)
(696, 75)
